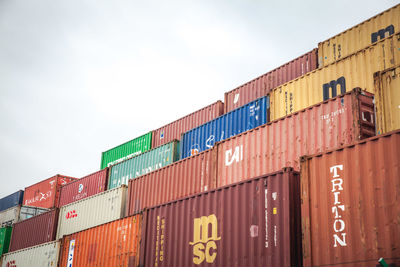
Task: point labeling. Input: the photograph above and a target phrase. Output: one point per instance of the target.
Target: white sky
(78, 77)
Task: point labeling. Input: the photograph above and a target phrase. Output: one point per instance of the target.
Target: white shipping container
(9, 216)
(29, 212)
(92, 211)
(42, 255)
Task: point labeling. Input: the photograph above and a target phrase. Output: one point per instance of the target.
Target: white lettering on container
(339, 225)
(232, 156)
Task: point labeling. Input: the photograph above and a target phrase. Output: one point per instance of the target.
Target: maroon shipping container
(183, 178)
(268, 148)
(261, 86)
(252, 223)
(173, 130)
(34, 231)
(45, 194)
(85, 187)
(351, 204)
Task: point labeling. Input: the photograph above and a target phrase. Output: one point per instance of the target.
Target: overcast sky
(79, 77)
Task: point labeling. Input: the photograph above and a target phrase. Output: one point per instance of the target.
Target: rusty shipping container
(44, 255)
(182, 178)
(350, 204)
(112, 244)
(261, 86)
(359, 36)
(387, 95)
(356, 70)
(92, 211)
(87, 186)
(46, 193)
(34, 231)
(339, 121)
(174, 130)
(253, 223)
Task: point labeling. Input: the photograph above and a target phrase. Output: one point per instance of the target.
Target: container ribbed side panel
(268, 148)
(260, 86)
(12, 200)
(5, 237)
(256, 223)
(185, 177)
(10, 216)
(175, 129)
(356, 70)
(350, 204)
(112, 244)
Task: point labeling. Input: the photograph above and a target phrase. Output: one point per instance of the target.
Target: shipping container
(10, 216)
(339, 121)
(387, 93)
(5, 236)
(126, 150)
(261, 86)
(29, 212)
(144, 163)
(356, 70)
(350, 204)
(183, 178)
(44, 255)
(230, 124)
(112, 244)
(11, 200)
(46, 193)
(87, 186)
(253, 223)
(92, 211)
(174, 130)
(34, 231)
(359, 36)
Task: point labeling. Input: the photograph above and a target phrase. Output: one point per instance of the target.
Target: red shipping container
(87, 186)
(261, 86)
(34, 231)
(185, 177)
(173, 130)
(351, 204)
(280, 143)
(253, 223)
(45, 194)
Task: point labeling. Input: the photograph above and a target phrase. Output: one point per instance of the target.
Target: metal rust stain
(350, 204)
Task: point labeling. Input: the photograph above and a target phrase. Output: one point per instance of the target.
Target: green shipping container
(126, 150)
(5, 236)
(144, 163)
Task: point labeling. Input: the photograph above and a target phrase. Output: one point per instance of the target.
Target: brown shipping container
(173, 130)
(268, 148)
(189, 176)
(261, 86)
(85, 187)
(112, 244)
(253, 223)
(45, 194)
(350, 204)
(34, 231)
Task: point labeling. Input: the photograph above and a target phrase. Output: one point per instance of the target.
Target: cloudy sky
(78, 77)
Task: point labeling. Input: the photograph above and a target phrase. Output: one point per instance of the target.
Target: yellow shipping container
(356, 70)
(387, 100)
(359, 36)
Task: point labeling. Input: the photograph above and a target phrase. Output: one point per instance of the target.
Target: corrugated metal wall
(12, 200)
(261, 86)
(144, 163)
(350, 204)
(175, 129)
(353, 71)
(9, 216)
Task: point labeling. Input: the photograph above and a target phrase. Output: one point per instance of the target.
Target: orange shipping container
(351, 204)
(112, 244)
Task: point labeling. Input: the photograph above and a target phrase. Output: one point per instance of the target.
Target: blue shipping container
(11, 200)
(232, 123)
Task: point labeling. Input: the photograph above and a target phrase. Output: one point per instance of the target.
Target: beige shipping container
(44, 255)
(359, 36)
(387, 97)
(9, 216)
(356, 70)
(92, 211)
